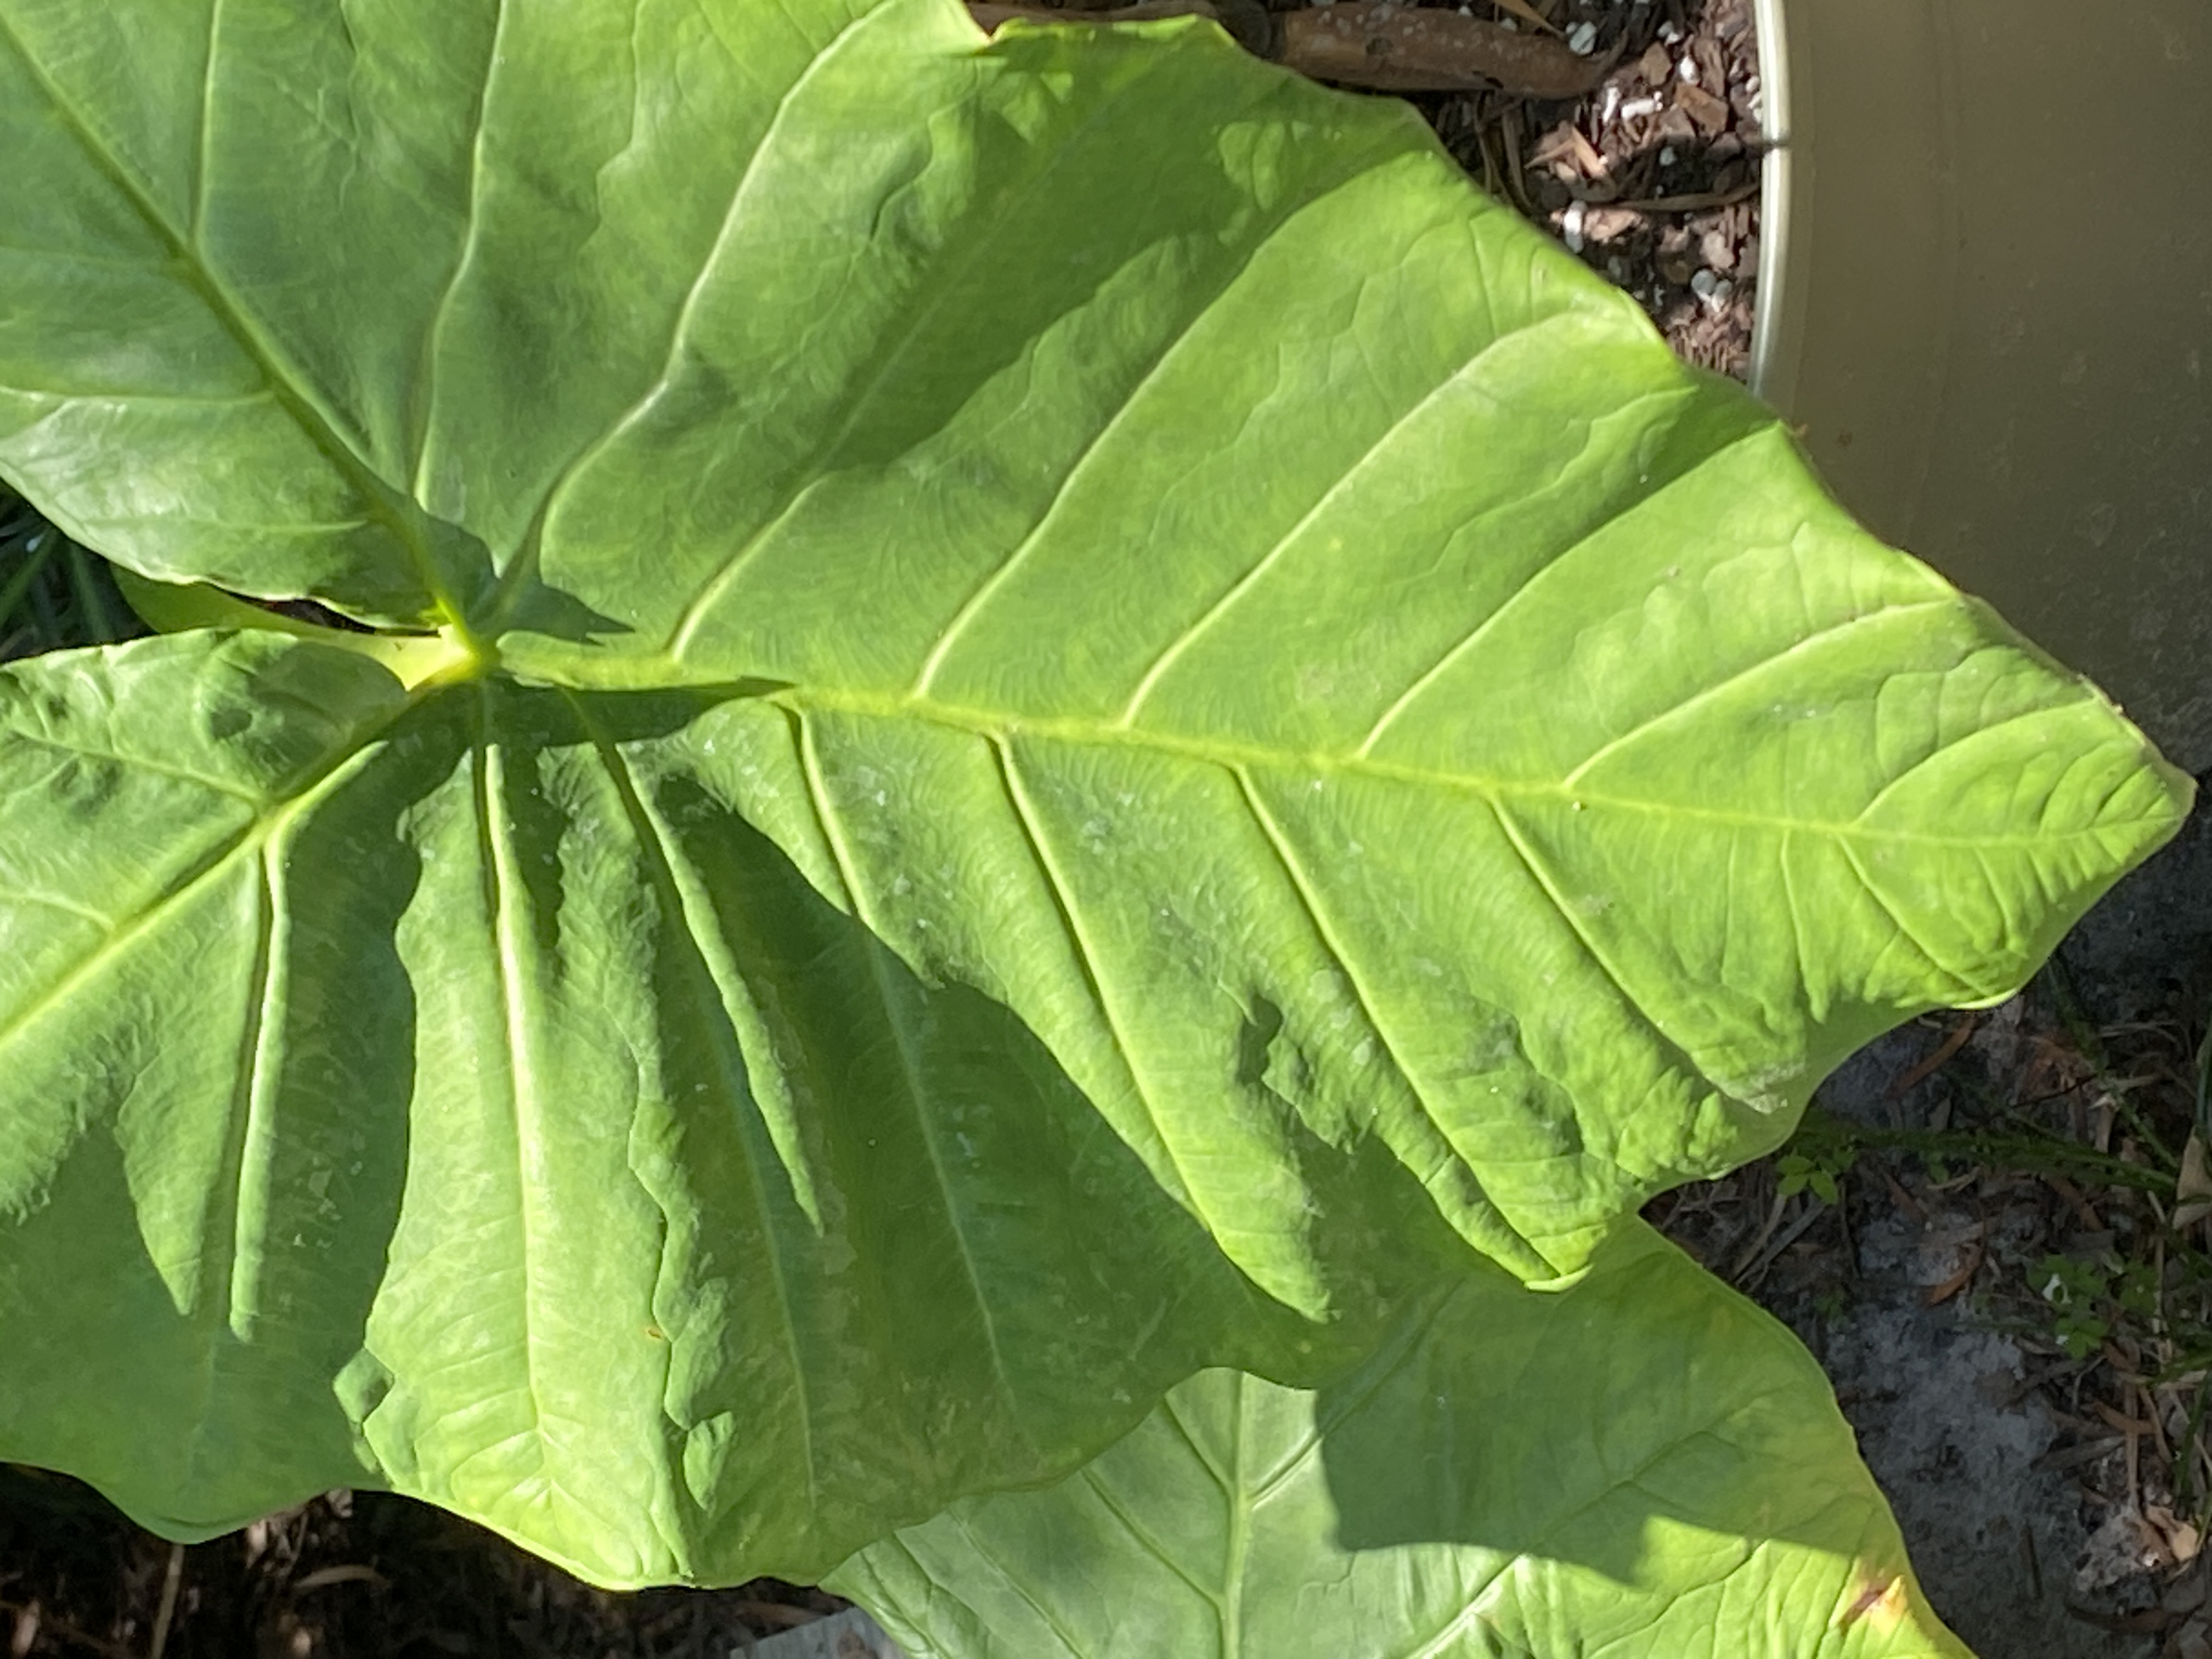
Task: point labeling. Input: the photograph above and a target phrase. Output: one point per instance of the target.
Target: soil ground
(1990, 1247)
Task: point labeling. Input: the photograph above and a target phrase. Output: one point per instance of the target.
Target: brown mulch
(1653, 179)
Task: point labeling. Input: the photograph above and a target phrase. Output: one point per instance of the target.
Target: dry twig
(1375, 44)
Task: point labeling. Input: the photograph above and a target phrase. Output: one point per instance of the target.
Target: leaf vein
(245, 1105)
(1750, 672)
(1026, 818)
(1254, 574)
(320, 426)
(1147, 1541)
(1294, 875)
(1563, 907)
(934, 657)
(135, 763)
(472, 224)
(1068, 1640)
(249, 836)
(524, 567)
(1903, 931)
(54, 902)
(675, 902)
(205, 138)
(1217, 753)
(1373, 1377)
(496, 856)
(1536, 578)
(875, 950)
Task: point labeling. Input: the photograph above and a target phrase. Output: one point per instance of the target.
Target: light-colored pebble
(1712, 290)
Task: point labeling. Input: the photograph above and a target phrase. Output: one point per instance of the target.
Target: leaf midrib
(513, 585)
(1002, 727)
(272, 817)
(316, 424)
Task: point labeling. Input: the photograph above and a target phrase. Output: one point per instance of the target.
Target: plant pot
(1985, 295)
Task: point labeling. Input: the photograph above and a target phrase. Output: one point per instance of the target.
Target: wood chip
(1688, 205)
(31, 1623)
(1676, 126)
(1375, 44)
(1712, 66)
(1939, 1294)
(1709, 114)
(1587, 162)
(1558, 144)
(2072, 1196)
(1604, 224)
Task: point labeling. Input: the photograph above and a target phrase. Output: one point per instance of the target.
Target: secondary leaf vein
(318, 424)
(699, 960)
(876, 949)
(1257, 572)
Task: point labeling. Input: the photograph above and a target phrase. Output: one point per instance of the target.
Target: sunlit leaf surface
(1084, 716)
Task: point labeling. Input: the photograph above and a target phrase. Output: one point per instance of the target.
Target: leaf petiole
(416, 659)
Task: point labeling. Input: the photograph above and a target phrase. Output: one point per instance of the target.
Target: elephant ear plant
(1045, 722)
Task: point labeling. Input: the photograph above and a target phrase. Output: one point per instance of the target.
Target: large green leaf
(1646, 1467)
(1082, 708)
(469, 1081)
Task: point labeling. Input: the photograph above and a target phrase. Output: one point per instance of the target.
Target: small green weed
(2090, 1297)
(1818, 1156)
